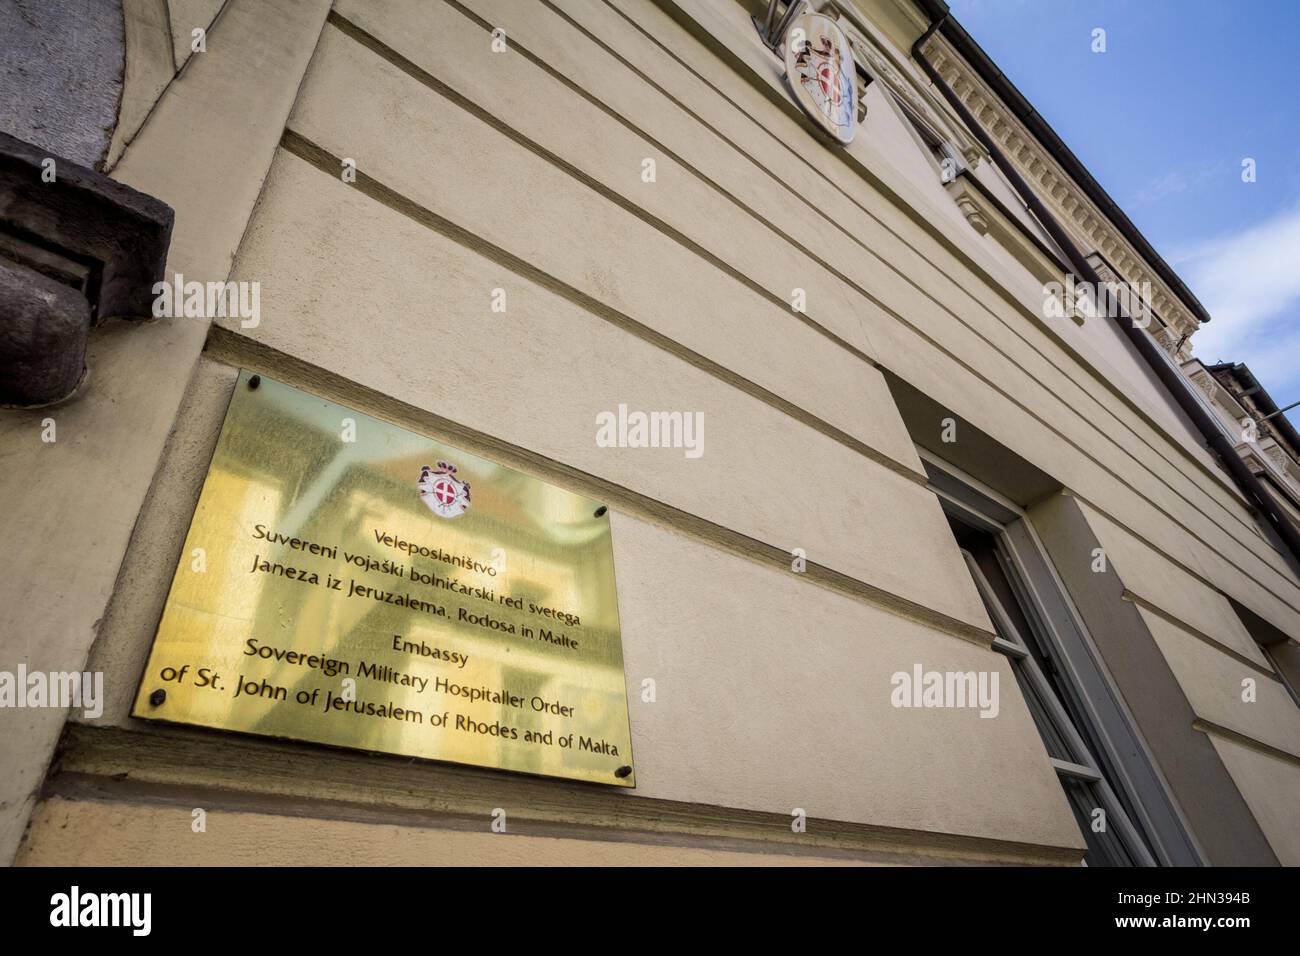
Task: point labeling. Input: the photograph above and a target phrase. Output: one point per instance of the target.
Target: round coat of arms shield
(446, 495)
(822, 75)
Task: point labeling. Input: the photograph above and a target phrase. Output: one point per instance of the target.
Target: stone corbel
(76, 249)
(970, 208)
(988, 218)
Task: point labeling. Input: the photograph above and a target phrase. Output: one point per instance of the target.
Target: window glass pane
(1053, 739)
(1104, 848)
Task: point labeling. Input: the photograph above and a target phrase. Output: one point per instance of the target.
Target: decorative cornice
(1086, 223)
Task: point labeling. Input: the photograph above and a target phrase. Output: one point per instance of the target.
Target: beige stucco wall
(1268, 782)
(522, 171)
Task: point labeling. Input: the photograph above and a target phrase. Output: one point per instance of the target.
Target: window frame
(1082, 766)
(1110, 732)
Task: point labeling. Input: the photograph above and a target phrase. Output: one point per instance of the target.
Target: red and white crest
(822, 76)
(445, 494)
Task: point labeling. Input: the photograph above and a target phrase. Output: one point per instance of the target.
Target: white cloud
(1175, 181)
(1249, 282)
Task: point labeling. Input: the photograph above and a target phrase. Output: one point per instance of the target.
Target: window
(1101, 761)
(1112, 838)
(1283, 652)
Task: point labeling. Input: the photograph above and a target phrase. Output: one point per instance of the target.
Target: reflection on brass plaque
(349, 582)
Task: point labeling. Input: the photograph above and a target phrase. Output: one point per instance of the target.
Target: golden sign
(349, 582)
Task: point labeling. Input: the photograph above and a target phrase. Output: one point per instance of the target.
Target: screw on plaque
(157, 697)
(600, 512)
(623, 771)
(255, 381)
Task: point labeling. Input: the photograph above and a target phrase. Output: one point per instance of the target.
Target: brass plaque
(348, 582)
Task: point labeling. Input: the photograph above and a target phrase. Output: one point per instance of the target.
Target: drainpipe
(1173, 379)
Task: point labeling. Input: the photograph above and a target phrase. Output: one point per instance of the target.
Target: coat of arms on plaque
(445, 494)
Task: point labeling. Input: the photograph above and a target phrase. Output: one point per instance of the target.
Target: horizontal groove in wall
(387, 53)
(1173, 559)
(321, 159)
(232, 348)
(187, 768)
(1200, 635)
(416, 72)
(1250, 743)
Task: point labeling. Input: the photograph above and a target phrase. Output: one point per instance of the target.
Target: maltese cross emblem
(445, 494)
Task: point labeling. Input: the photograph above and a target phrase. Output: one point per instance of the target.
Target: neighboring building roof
(1024, 111)
(1250, 387)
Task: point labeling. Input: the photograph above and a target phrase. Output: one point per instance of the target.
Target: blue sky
(1185, 90)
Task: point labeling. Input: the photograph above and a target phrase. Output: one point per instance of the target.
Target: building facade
(924, 451)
